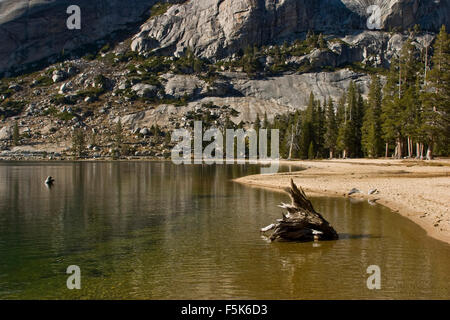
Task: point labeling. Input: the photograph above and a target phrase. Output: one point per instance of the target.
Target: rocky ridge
(218, 28)
(153, 84)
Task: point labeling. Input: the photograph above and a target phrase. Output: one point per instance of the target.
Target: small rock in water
(49, 180)
(354, 190)
(373, 191)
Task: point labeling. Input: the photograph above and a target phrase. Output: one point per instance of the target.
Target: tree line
(406, 114)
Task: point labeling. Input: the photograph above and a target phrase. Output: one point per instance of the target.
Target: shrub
(159, 9)
(44, 81)
(11, 108)
(78, 142)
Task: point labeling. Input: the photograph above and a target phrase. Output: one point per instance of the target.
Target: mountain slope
(31, 30)
(217, 28)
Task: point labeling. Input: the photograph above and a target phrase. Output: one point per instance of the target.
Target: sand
(418, 190)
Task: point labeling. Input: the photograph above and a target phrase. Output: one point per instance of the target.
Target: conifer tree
(118, 136)
(341, 119)
(307, 128)
(358, 122)
(292, 134)
(78, 142)
(392, 111)
(372, 142)
(311, 151)
(331, 129)
(349, 129)
(266, 123)
(16, 134)
(320, 130)
(257, 124)
(321, 42)
(436, 113)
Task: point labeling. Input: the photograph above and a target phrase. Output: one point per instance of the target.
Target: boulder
(145, 131)
(178, 86)
(59, 75)
(144, 90)
(6, 133)
(65, 87)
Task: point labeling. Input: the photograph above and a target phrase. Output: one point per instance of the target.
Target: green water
(153, 230)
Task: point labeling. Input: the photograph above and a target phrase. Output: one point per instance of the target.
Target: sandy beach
(418, 190)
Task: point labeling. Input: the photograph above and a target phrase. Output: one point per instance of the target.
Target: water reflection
(154, 230)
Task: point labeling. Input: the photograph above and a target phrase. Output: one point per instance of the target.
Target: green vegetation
(409, 114)
(11, 108)
(16, 134)
(159, 9)
(5, 92)
(64, 115)
(60, 99)
(372, 142)
(118, 140)
(78, 142)
(250, 59)
(361, 67)
(44, 81)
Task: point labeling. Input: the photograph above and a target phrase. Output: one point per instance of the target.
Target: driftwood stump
(301, 222)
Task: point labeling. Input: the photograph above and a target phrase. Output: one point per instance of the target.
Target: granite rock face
(293, 90)
(218, 28)
(31, 30)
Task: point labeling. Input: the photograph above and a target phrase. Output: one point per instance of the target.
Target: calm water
(154, 230)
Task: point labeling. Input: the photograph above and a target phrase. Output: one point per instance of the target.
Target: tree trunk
(398, 149)
(426, 66)
(292, 143)
(430, 152)
(301, 222)
(409, 147)
(421, 151)
(387, 150)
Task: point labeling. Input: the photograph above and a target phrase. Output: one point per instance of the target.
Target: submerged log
(301, 222)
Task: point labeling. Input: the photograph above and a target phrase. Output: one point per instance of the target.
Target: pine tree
(372, 142)
(436, 113)
(412, 113)
(16, 134)
(400, 102)
(392, 109)
(307, 128)
(266, 123)
(198, 66)
(292, 135)
(358, 122)
(341, 119)
(321, 42)
(78, 142)
(118, 136)
(331, 128)
(320, 130)
(311, 151)
(411, 69)
(349, 130)
(257, 124)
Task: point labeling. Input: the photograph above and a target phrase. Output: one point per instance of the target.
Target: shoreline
(417, 190)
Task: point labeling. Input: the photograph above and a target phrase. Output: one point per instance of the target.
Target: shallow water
(153, 230)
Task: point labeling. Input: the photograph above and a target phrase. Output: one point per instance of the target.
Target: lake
(154, 230)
